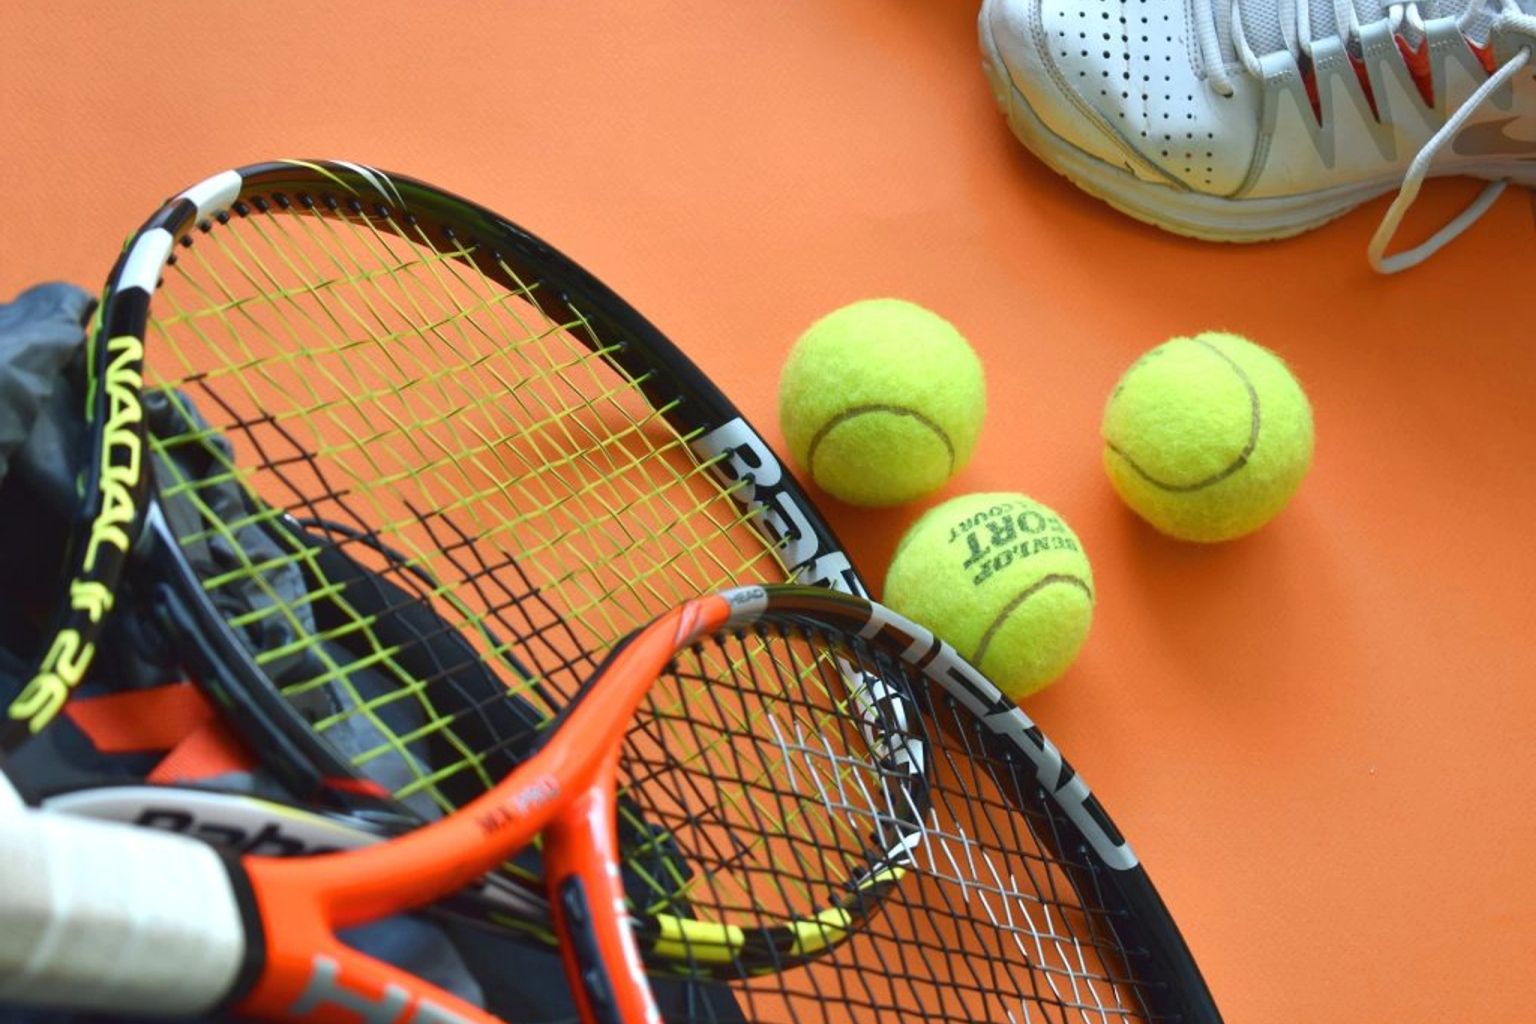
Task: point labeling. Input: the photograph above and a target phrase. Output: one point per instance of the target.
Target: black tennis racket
(399, 476)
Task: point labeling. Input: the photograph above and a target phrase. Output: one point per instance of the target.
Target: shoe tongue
(1262, 21)
(1262, 18)
(1261, 26)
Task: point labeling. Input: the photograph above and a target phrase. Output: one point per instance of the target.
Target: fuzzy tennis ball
(881, 401)
(1003, 580)
(1207, 437)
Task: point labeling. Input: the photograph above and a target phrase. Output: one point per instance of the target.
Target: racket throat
(602, 961)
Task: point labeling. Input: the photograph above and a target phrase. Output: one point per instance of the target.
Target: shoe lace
(1296, 27)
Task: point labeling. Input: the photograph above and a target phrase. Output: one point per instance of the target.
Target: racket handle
(102, 916)
(10, 800)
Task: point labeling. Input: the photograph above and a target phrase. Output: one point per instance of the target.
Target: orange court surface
(1320, 739)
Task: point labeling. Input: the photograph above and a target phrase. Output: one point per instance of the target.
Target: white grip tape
(10, 800)
(101, 916)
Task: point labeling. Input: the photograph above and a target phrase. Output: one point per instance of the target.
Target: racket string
(385, 350)
(990, 922)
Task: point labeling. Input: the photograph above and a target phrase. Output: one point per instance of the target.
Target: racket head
(1021, 898)
(316, 329)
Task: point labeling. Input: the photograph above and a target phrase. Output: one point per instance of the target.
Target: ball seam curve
(859, 410)
(1254, 422)
(1018, 599)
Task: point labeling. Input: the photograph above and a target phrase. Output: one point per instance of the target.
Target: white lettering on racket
(325, 988)
(121, 457)
(69, 655)
(1010, 724)
(752, 474)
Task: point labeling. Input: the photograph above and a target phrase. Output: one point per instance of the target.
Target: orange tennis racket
(918, 829)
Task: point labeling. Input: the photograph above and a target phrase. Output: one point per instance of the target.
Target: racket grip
(102, 916)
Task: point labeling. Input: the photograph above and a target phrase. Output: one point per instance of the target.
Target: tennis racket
(934, 856)
(413, 473)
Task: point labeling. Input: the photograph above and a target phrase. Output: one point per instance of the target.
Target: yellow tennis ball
(1003, 580)
(1207, 437)
(881, 401)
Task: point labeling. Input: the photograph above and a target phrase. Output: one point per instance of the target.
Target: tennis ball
(1207, 437)
(881, 401)
(1003, 580)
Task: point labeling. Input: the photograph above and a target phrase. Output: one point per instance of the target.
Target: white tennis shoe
(1241, 120)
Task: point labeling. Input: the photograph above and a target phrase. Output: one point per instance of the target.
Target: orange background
(1320, 738)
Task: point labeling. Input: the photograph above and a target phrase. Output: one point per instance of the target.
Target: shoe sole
(1180, 211)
